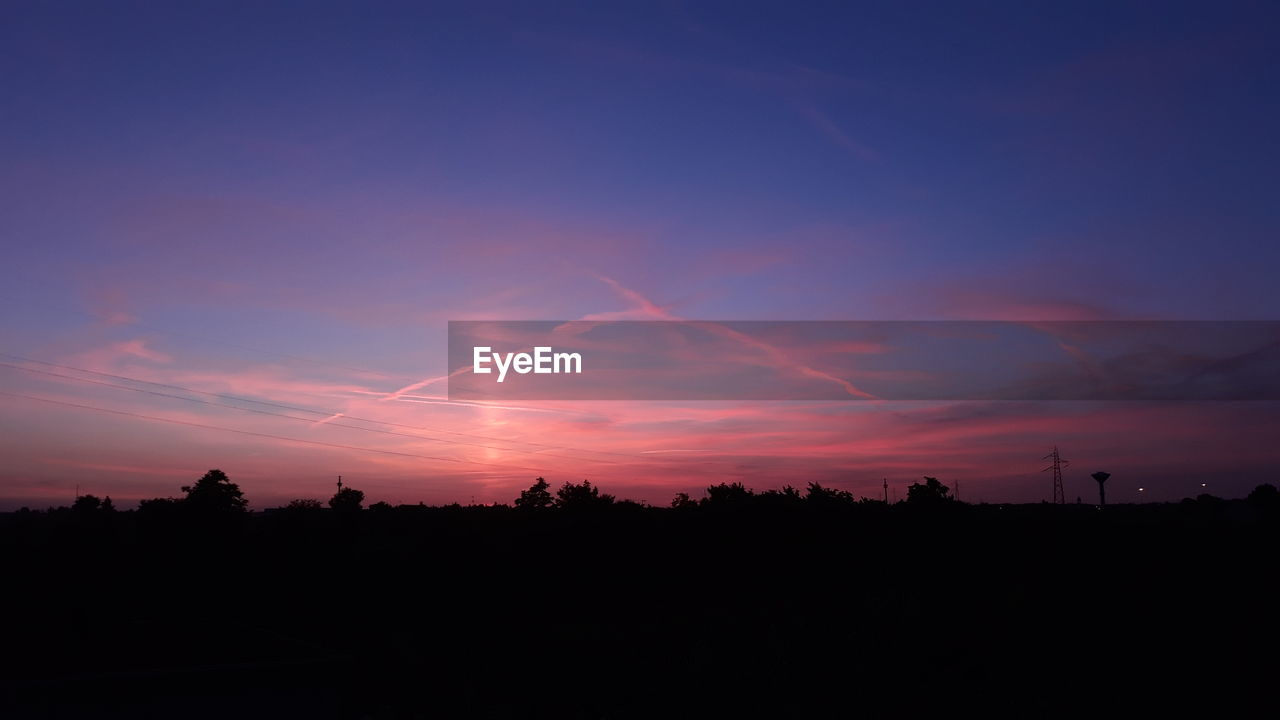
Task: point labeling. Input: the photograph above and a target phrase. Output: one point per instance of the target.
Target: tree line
(215, 493)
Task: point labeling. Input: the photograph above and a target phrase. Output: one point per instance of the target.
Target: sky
(233, 234)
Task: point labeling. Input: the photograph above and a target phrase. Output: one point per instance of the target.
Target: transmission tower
(1059, 497)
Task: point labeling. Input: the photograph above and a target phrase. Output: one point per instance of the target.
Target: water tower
(1101, 477)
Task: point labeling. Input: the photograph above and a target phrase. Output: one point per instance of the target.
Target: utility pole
(886, 491)
(1059, 497)
(339, 483)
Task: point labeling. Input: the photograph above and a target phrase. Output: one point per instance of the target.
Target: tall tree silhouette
(537, 497)
(214, 492)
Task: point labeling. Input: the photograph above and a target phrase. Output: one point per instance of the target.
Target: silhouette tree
(584, 496)
(157, 506)
(930, 493)
(303, 505)
(1265, 495)
(347, 499)
(683, 501)
(1266, 500)
(107, 505)
(821, 497)
(727, 495)
(536, 497)
(214, 492)
(86, 504)
(787, 496)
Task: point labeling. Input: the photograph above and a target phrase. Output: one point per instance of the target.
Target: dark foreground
(634, 612)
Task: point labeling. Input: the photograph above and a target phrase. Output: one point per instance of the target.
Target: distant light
(1141, 489)
(1204, 484)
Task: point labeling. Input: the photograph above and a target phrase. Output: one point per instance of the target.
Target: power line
(296, 408)
(259, 434)
(292, 417)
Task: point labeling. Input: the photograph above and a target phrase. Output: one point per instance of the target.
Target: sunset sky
(234, 233)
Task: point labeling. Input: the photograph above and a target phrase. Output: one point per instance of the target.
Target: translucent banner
(864, 360)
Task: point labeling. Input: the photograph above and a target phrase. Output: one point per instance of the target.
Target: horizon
(894, 498)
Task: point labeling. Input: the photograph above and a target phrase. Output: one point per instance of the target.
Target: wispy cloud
(832, 131)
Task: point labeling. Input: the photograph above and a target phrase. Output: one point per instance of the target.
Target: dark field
(770, 607)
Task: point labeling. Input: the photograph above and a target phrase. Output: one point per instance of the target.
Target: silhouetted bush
(727, 496)
(931, 492)
(682, 501)
(787, 497)
(1265, 495)
(827, 498)
(347, 500)
(86, 504)
(583, 496)
(159, 506)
